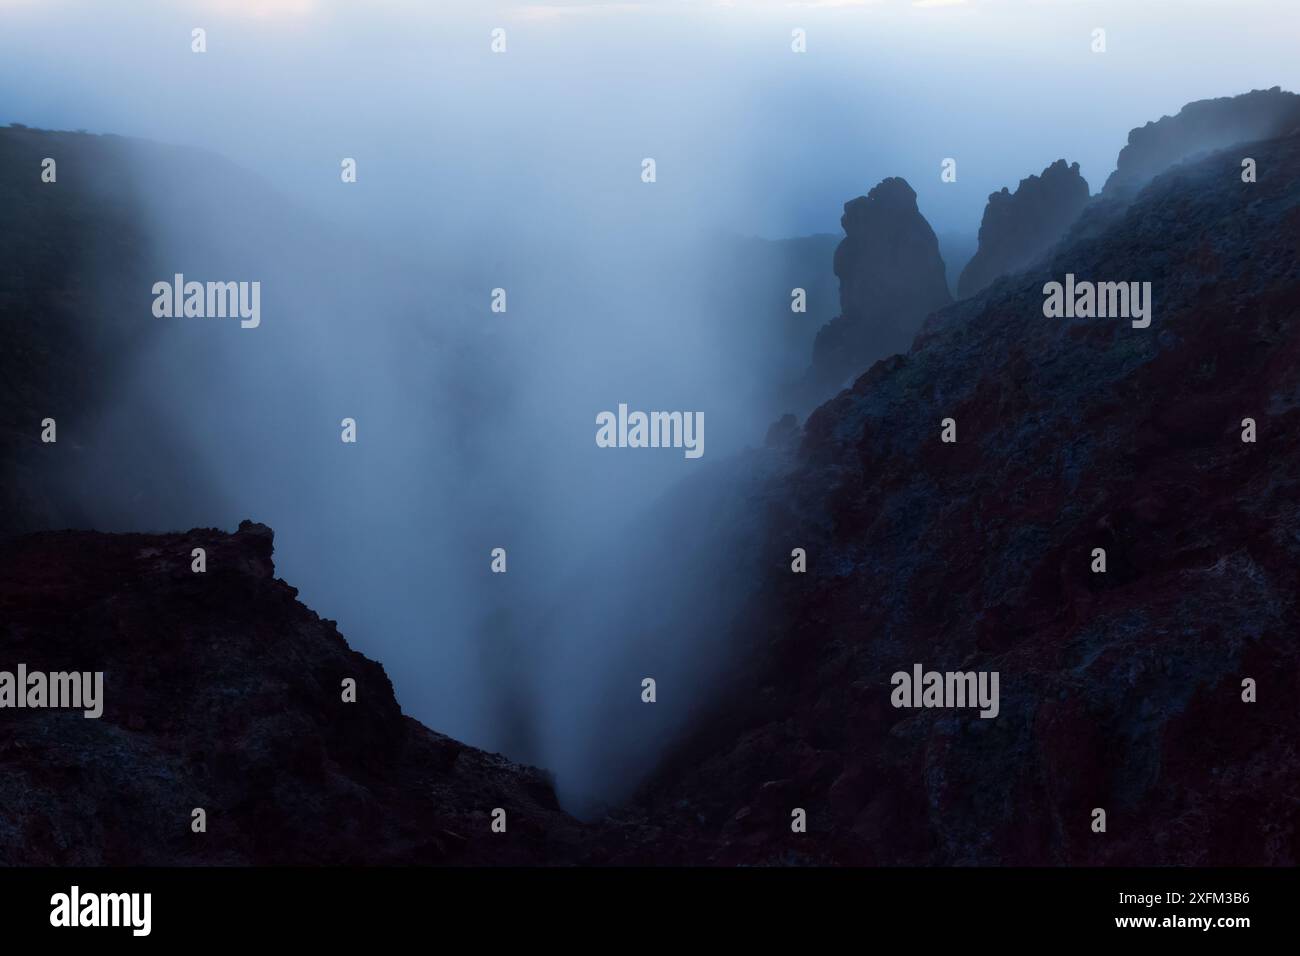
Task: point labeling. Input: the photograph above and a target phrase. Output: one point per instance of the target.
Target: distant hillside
(77, 265)
(70, 253)
(1200, 127)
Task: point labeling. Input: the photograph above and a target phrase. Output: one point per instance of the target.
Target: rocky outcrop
(1120, 690)
(1020, 227)
(222, 692)
(891, 277)
(1201, 127)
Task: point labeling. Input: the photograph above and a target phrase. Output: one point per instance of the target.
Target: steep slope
(891, 277)
(222, 692)
(1200, 127)
(1018, 227)
(1120, 691)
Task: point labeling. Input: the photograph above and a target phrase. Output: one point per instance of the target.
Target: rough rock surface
(1200, 127)
(1121, 690)
(1019, 227)
(221, 691)
(891, 277)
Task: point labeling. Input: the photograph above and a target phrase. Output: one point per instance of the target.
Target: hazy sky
(524, 169)
(746, 133)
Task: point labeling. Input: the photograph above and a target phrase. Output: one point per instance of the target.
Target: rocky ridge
(1018, 227)
(223, 692)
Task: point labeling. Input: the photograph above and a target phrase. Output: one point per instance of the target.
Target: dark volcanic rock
(1119, 690)
(221, 691)
(1201, 127)
(891, 277)
(1020, 227)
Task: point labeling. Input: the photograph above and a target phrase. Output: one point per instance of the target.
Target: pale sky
(769, 141)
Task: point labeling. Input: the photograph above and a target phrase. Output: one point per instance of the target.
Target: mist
(523, 171)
